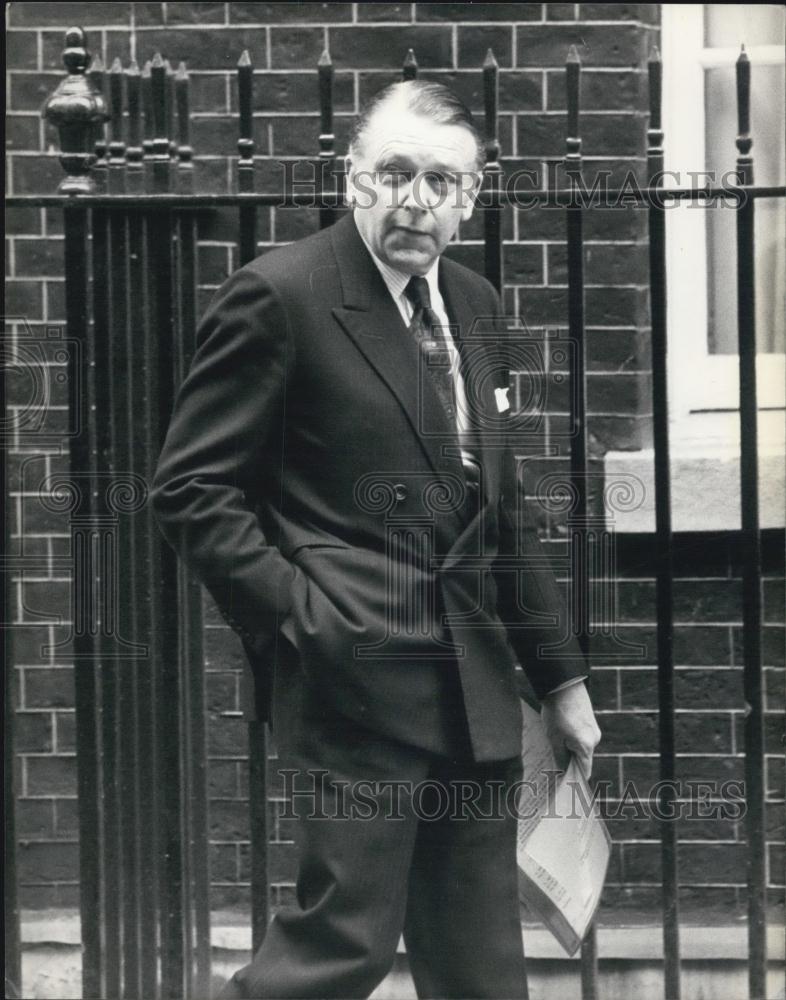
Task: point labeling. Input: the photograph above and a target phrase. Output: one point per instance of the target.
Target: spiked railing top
(655, 71)
(573, 90)
(116, 101)
(491, 104)
(183, 117)
(743, 100)
(133, 99)
(245, 83)
(325, 76)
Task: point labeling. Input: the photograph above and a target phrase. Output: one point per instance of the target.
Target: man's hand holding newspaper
(563, 845)
(570, 726)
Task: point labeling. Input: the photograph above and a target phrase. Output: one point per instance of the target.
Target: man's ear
(470, 193)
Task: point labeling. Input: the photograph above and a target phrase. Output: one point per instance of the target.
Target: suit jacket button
(400, 492)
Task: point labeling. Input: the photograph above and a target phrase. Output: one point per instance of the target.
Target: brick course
(367, 43)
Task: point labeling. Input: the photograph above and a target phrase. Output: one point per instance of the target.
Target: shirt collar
(397, 281)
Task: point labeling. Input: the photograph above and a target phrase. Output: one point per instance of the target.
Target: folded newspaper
(563, 845)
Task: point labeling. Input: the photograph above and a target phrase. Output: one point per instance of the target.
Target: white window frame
(703, 388)
(700, 383)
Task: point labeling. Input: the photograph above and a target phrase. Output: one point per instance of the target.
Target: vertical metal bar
(13, 956)
(160, 148)
(185, 166)
(575, 254)
(144, 451)
(751, 551)
(85, 640)
(327, 152)
(257, 801)
(663, 534)
(103, 318)
(247, 214)
(127, 743)
(257, 733)
(492, 215)
(119, 677)
(135, 176)
(167, 694)
(409, 69)
(197, 874)
(664, 541)
(578, 449)
(125, 404)
(165, 632)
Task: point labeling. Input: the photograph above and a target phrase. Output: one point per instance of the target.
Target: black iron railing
(130, 213)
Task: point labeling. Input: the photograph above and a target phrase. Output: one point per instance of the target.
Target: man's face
(412, 183)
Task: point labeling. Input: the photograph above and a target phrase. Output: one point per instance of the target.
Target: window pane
(732, 24)
(767, 128)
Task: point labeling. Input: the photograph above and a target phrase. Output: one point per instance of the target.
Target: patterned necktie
(427, 331)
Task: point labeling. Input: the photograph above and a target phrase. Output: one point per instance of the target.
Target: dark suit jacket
(314, 484)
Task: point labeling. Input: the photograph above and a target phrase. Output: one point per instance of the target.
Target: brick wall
(367, 43)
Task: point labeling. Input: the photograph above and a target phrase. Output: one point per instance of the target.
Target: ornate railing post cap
(75, 98)
(76, 108)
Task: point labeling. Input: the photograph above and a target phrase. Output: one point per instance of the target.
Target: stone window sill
(705, 477)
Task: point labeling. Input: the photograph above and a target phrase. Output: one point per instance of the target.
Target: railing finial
(75, 55)
(655, 79)
(492, 216)
(491, 104)
(184, 150)
(327, 140)
(744, 141)
(76, 108)
(134, 106)
(159, 84)
(117, 148)
(573, 95)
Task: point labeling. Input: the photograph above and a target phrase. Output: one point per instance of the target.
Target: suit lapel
(371, 319)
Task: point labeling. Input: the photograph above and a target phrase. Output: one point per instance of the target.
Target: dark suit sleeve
(529, 594)
(229, 407)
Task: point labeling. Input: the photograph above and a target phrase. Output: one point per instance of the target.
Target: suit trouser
(391, 839)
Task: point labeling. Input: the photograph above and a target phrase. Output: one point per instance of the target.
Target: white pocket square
(502, 399)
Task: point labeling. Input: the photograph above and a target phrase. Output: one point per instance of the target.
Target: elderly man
(335, 474)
